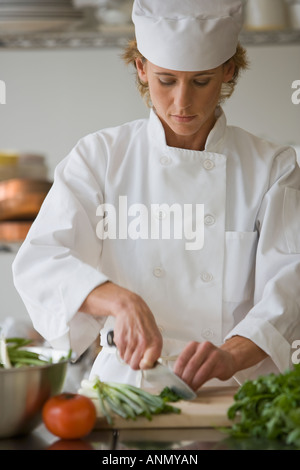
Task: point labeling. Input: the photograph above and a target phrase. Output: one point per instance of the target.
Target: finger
(126, 343)
(129, 353)
(205, 372)
(149, 358)
(192, 367)
(139, 356)
(136, 357)
(200, 353)
(146, 364)
(184, 358)
(120, 343)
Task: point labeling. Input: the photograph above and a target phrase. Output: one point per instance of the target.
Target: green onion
(124, 400)
(4, 356)
(13, 353)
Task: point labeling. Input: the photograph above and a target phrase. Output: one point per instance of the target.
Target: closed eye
(198, 83)
(202, 83)
(166, 82)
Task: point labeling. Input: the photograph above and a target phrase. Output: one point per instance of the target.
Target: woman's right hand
(136, 334)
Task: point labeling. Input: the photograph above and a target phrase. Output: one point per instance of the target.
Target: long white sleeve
(274, 323)
(56, 267)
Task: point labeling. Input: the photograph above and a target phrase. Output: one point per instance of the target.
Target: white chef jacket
(243, 281)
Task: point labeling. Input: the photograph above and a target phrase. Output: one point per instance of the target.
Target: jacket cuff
(80, 329)
(269, 339)
(79, 285)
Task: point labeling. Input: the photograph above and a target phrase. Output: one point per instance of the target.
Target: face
(185, 102)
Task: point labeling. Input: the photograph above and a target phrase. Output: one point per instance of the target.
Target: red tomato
(69, 415)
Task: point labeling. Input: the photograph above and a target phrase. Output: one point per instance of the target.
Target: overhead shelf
(257, 38)
(108, 36)
(73, 38)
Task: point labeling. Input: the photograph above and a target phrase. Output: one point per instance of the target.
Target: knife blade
(161, 376)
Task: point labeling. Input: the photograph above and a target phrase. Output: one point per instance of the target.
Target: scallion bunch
(124, 400)
(13, 354)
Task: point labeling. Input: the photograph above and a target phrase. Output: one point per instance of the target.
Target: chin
(184, 131)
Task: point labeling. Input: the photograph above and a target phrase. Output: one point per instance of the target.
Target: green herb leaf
(268, 406)
(169, 395)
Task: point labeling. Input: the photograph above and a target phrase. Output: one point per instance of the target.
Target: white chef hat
(187, 35)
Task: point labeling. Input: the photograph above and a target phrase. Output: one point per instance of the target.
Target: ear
(141, 68)
(228, 71)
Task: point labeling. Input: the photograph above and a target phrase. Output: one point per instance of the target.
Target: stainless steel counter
(132, 440)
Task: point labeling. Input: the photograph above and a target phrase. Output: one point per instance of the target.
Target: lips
(183, 119)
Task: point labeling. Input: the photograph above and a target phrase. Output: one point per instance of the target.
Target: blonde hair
(240, 60)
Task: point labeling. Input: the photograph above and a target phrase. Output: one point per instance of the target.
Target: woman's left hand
(200, 362)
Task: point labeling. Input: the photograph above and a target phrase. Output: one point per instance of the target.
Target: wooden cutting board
(209, 409)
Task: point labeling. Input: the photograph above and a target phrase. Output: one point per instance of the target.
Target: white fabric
(245, 279)
(189, 35)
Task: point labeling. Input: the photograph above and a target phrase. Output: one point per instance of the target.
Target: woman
(115, 244)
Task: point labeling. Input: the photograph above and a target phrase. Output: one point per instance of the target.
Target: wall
(262, 102)
(54, 97)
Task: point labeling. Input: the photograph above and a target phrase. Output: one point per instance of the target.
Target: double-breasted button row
(205, 276)
(158, 271)
(207, 164)
(161, 214)
(206, 333)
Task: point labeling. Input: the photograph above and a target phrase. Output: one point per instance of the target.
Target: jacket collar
(213, 140)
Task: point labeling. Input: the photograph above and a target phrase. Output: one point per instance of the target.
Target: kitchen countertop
(178, 434)
(137, 439)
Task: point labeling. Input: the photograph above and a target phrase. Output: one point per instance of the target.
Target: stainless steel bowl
(23, 392)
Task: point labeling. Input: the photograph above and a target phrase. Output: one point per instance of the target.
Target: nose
(183, 98)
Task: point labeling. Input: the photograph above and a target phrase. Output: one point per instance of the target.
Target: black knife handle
(110, 338)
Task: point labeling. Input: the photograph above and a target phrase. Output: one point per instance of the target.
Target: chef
(178, 232)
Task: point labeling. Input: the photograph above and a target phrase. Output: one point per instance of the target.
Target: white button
(207, 333)
(158, 271)
(209, 219)
(165, 160)
(160, 214)
(208, 164)
(206, 277)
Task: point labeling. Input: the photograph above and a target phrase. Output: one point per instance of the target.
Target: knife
(161, 376)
